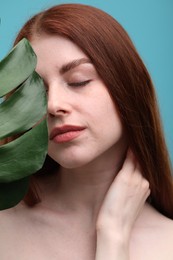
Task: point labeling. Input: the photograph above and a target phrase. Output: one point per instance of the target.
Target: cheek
(111, 120)
(106, 113)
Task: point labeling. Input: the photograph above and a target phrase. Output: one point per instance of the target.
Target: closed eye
(79, 84)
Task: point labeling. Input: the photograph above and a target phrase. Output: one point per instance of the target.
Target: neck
(83, 189)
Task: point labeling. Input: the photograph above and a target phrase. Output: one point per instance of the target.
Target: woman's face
(82, 120)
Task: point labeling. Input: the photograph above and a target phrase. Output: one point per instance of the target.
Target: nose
(58, 101)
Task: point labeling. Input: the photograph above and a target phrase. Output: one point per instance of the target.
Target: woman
(105, 190)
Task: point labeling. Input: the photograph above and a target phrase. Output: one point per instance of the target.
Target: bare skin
(121, 232)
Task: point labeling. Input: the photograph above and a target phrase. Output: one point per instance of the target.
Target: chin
(70, 163)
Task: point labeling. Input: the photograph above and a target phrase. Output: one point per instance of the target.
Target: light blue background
(148, 22)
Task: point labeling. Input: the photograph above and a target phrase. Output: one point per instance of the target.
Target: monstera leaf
(22, 115)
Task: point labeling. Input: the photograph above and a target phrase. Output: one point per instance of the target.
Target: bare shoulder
(9, 221)
(15, 233)
(153, 234)
(6, 217)
(7, 214)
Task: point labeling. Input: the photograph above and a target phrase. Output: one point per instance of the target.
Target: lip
(65, 133)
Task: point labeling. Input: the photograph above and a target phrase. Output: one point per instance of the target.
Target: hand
(121, 206)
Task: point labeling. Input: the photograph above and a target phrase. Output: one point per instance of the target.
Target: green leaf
(24, 155)
(16, 66)
(23, 104)
(8, 195)
(22, 113)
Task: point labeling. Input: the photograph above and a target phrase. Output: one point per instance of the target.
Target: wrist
(116, 231)
(113, 236)
(111, 245)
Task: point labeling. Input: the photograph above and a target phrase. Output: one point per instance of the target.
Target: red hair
(117, 62)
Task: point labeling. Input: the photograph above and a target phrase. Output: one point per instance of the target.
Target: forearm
(111, 246)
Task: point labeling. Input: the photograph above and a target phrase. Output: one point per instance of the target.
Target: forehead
(57, 55)
(58, 49)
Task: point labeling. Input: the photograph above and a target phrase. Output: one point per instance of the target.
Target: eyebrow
(73, 64)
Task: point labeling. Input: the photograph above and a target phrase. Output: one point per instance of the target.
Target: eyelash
(75, 84)
(79, 84)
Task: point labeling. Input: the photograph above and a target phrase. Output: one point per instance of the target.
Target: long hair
(119, 65)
